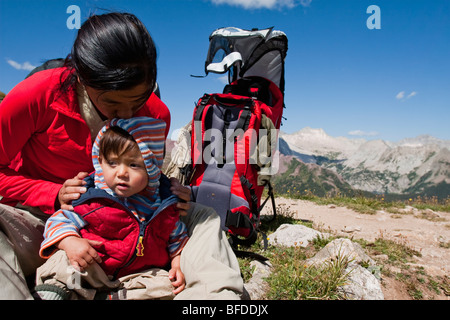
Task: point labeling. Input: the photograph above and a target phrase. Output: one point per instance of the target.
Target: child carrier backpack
(244, 53)
(234, 133)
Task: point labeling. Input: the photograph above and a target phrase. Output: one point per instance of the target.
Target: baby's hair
(116, 141)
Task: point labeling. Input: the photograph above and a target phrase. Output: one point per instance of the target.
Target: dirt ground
(426, 236)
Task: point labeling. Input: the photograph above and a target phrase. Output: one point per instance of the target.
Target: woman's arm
(44, 144)
(22, 115)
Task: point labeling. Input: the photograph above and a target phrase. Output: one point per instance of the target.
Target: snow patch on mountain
(375, 165)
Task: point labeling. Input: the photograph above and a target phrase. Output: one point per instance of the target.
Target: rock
(293, 235)
(362, 284)
(348, 229)
(339, 248)
(256, 288)
(430, 214)
(382, 257)
(440, 239)
(395, 270)
(376, 271)
(407, 209)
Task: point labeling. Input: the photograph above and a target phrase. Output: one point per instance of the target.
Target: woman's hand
(184, 193)
(176, 276)
(71, 190)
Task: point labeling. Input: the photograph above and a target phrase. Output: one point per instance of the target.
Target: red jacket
(44, 141)
(127, 244)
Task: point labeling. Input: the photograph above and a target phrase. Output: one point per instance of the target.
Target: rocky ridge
(414, 165)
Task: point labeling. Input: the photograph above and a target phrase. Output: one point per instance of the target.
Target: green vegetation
(292, 279)
(301, 282)
(300, 177)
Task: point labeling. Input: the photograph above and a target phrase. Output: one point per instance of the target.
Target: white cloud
(361, 133)
(223, 79)
(264, 4)
(24, 66)
(412, 94)
(402, 95)
(305, 3)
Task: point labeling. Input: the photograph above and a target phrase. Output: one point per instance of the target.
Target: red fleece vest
(128, 245)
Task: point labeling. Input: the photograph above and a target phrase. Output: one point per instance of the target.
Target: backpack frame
(226, 134)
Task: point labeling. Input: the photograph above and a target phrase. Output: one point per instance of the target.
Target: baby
(125, 226)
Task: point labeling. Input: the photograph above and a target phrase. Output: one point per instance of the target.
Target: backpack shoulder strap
(200, 107)
(244, 118)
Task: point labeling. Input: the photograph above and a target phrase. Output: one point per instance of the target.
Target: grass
(292, 279)
(398, 253)
(302, 282)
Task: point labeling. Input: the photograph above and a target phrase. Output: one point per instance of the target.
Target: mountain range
(413, 166)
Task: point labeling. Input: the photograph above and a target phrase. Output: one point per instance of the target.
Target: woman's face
(121, 104)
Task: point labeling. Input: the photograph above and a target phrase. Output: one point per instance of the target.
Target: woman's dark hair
(112, 51)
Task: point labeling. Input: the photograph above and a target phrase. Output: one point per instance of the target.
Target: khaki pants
(57, 271)
(20, 239)
(207, 261)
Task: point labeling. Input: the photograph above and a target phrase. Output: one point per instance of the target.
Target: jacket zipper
(139, 248)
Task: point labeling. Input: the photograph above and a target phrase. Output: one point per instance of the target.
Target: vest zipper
(139, 248)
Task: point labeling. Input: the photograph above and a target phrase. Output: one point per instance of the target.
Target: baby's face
(125, 175)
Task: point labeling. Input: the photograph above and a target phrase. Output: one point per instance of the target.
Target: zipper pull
(140, 247)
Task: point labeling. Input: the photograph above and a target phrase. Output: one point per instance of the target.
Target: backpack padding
(50, 64)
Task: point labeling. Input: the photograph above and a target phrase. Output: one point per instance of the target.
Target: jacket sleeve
(61, 224)
(178, 239)
(23, 113)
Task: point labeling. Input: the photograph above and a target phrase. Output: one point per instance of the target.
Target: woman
(47, 126)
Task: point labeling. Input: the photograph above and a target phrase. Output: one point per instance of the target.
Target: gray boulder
(361, 284)
(293, 235)
(257, 288)
(339, 248)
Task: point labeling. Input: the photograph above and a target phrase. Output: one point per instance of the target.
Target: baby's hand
(80, 251)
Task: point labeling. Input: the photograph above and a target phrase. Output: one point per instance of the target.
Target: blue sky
(389, 83)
